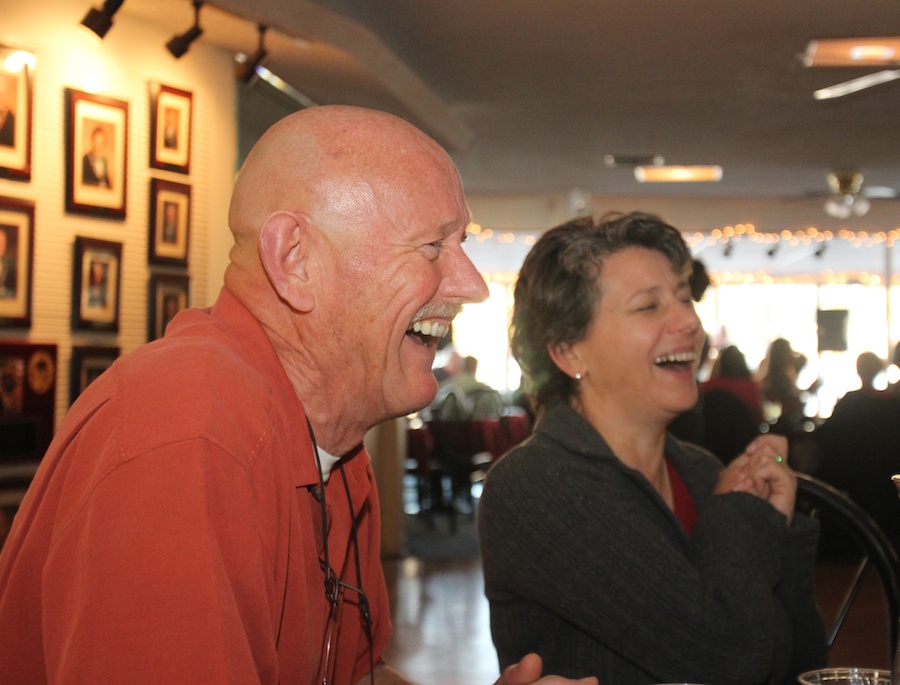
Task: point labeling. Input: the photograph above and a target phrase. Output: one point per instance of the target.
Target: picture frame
(171, 113)
(170, 222)
(169, 294)
(87, 363)
(16, 99)
(16, 261)
(96, 281)
(96, 154)
(28, 377)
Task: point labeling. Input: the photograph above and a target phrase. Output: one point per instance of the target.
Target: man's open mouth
(428, 332)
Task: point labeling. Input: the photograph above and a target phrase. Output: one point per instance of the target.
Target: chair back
(485, 404)
(450, 405)
(835, 509)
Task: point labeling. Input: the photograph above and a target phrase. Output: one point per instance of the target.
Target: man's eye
(434, 249)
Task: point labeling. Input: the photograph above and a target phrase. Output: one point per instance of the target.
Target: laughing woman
(609, 547)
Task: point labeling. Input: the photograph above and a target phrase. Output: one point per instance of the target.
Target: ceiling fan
(848, 196)
(854, 52)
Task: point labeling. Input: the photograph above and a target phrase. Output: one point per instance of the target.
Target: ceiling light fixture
(678, 174)
(99, 21)
(857, 84)
(846, 200)
(246, 67)
(852, 52)
(614, 161)
(180, 43)
(282, 86)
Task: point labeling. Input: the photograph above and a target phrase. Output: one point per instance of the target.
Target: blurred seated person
(608, 545)
(465, 380)
(731, 374)
(894, 371)
(449, 369)
(778, 375)
(732, 406)
(481, 400)
(858, 447)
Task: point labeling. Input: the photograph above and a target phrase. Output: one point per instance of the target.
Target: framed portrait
(27, 399)
(16, 261)
(97, 274)
(170, 128)
(96, 154)
(16, 81)
(169, 294)
(170, 222)
(87, 363)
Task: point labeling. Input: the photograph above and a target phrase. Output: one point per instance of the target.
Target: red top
(748, 391)
(681, 496)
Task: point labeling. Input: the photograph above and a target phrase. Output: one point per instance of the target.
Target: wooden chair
(842, 519)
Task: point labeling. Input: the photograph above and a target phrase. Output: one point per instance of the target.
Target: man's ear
(285, 249)
(566, 357)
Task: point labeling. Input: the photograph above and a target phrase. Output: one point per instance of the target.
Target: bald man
(207, 512)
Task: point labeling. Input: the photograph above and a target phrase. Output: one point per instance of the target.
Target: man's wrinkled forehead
(426, 190)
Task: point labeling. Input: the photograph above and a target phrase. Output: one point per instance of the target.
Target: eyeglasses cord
(332, 588)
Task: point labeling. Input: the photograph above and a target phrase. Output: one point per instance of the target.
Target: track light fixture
(246, 67)
(100, 20)
(180, 44)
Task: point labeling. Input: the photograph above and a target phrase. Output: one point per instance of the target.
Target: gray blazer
(586, 565)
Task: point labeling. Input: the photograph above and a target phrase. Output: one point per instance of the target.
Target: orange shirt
(170, 535)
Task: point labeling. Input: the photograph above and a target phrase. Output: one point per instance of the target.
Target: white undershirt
(327, 462)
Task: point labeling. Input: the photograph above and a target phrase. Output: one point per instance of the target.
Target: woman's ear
(285, 249)
(566, 357)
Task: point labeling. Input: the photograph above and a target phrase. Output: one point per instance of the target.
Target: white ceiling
(530, 95)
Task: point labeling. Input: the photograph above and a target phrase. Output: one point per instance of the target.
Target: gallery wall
(122, 67)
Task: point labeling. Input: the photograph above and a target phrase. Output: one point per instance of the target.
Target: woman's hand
(762, 470)
(528, 671)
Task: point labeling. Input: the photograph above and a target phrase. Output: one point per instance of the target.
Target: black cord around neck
(333, 583)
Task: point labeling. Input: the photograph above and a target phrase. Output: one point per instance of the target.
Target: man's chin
(414, 399)
(421, 395)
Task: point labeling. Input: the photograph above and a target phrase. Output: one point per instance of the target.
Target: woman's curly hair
(558, 290)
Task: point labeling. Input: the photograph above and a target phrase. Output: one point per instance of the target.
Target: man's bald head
(348, 228)
(332, 159)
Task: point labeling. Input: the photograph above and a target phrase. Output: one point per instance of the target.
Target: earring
(577, 376)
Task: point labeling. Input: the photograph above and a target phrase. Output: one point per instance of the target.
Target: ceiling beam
(305, 20)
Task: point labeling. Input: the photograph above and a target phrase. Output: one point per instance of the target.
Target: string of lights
(729, 236)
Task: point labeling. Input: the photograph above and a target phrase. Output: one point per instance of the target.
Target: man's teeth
(681, 357)
(432, 328)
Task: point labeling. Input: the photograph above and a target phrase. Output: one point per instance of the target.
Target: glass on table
(845, 676)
